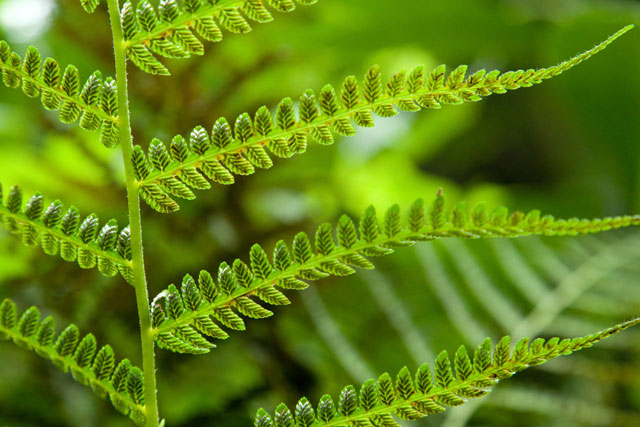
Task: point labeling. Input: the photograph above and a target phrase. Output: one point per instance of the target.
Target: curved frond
(57, 230)
(380, 402)
(172, 171)
(94, 103)
(168, 30)
(88, 365)
(182, 318)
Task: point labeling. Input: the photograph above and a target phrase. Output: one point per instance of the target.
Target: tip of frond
(620, 32)
(629, 323)
(627, 28)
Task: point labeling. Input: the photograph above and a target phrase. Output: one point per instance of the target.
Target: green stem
(139, 279)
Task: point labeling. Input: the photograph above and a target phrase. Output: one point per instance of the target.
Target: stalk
(139, 277)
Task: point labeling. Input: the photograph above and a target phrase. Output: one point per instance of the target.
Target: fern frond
(81, 357)
(182, 318)
(89, 5)
(380, 402)
(168, 31)
(57, 230)
(93, 103)
(170, 171)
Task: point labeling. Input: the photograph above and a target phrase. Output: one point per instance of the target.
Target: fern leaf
(169, 30)
(237, 287)
(431, 391)
(81, 357)
(94, 103)
(224, 153)
(57, 230)
(89, 5)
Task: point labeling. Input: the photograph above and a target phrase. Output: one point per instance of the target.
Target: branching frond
(57, 230)
(94, 103)
(430, 391)
(182, 318)
(97, 368)
(169, 30)
(174, 170)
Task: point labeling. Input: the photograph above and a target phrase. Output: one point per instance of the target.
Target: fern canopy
(183, 318)
(168, 30)
(172, 171)
(60, 231)
(93, 103)
(431, 391)
(97, 368)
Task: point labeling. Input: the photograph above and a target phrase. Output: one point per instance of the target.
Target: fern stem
(139, 279)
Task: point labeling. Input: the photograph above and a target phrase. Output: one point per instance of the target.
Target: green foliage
(168, 31)
(223, 153)
(94, 103)
(183, 318)
(431, 392)
(87, 364)
(89, 5)
(57, 230)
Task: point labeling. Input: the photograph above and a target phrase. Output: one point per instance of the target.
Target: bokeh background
(569, 147)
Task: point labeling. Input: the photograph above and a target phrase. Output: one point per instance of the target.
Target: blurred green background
(569, 147)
